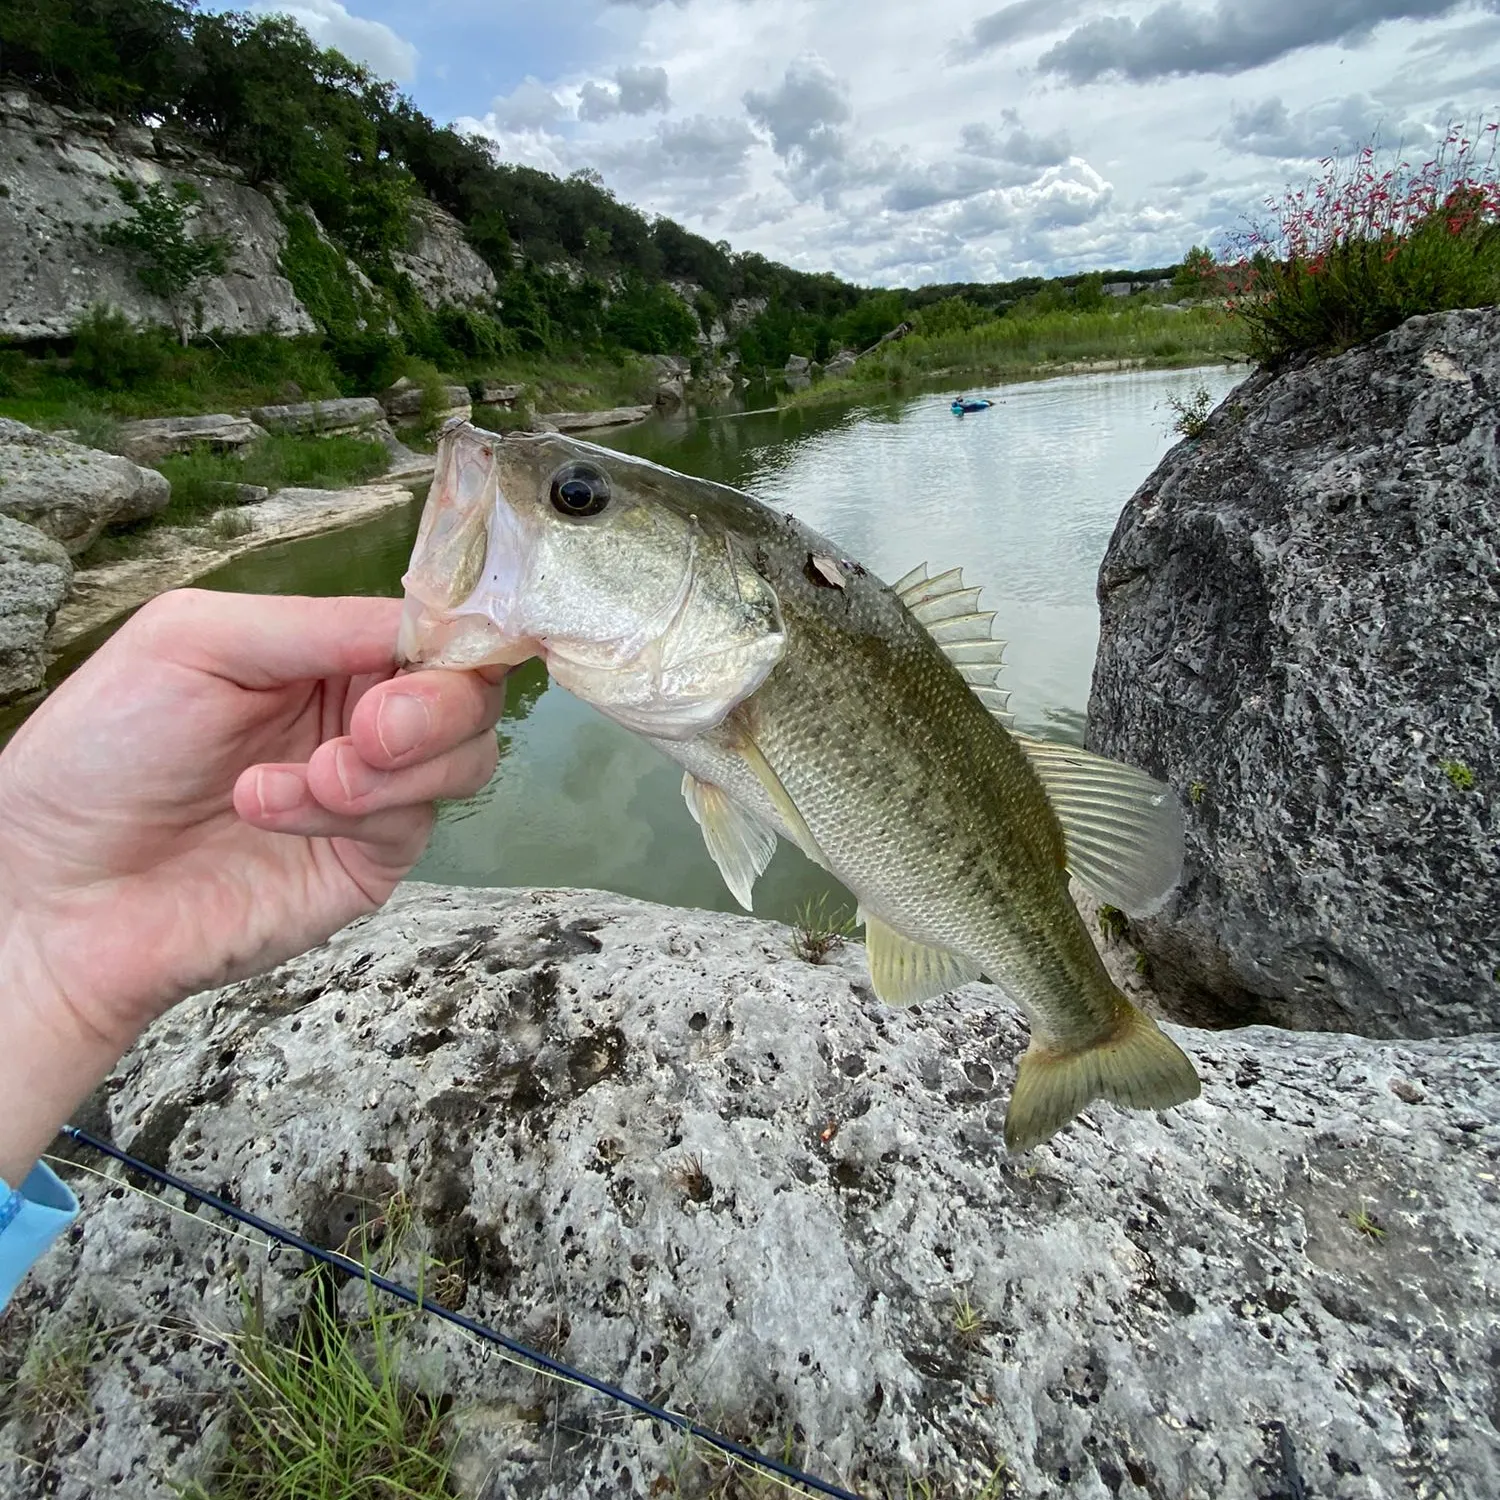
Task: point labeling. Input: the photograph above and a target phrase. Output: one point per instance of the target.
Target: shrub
(110, 352)
(1364, 247)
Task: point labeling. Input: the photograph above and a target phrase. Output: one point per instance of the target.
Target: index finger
(262, 641)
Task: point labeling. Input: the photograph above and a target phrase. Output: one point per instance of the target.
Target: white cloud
(370, 42)
(855, 144)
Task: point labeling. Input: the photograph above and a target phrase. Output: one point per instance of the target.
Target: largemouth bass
(807, 700)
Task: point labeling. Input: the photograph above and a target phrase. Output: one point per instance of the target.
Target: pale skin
(223, 785)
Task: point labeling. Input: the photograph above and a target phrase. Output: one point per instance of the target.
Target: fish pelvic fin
(903, 972)
(1137, 1065)
(1122, 829)
(740, 845)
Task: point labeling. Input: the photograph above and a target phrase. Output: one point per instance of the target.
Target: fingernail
(355, 777)
(401, 724)
(278, 792)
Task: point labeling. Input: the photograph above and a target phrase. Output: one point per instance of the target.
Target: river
(1023, 496)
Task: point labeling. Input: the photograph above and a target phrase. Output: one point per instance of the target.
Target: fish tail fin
(1136, 1065)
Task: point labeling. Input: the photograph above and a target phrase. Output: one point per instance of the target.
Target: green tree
(170, 260)
(1198, 273)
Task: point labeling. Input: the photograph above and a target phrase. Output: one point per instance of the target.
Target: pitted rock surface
(72, 493)
(35, 573)
(660, 1145)
(1301, 632)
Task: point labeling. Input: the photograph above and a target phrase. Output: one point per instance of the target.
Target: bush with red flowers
(1363, 247)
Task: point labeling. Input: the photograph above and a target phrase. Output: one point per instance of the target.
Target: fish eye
(579, 489)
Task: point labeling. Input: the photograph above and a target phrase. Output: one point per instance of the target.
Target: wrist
(51, 1056)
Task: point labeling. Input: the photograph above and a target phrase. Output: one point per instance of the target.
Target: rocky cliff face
(1301, 632)
(662, 1146)
(56, 193)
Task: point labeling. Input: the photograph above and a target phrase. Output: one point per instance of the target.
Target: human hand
(225, 783)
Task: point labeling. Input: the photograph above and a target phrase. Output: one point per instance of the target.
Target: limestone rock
(154, 438)
(797, 364)
(404, 399)
(56, 168)
(1301, 632)
(494, 393)
(443, 266)
(321, 418)
(841, 363)
(581, 421)
(35, 572)
(69, 492)
(690, 1163)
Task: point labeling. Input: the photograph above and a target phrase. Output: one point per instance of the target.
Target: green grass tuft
(818, 933)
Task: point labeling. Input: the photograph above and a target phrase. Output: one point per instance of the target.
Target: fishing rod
(774, 1467)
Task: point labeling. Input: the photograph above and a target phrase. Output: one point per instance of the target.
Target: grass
(52, 1388)
(200, 481)
(1366, 1223)
(134, 374)
(817, 934)
(1021, 345)
(323, 1414)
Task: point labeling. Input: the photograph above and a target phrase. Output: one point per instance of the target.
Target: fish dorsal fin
(904, 972)
(1122, 829)
(946, 610)
(738, 843)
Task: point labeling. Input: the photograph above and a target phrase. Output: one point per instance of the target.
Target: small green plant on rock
(52, 1388)
(1112, 922)
(1459, 774)
(1190, 413)
(817, 934)
(1366, 1223)
(170, 260)
(324, 1414)
(969, 1321)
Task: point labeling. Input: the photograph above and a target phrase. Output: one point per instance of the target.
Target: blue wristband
(30, 1219)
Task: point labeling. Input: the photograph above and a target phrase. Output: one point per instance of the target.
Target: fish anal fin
(739, 844)
(1137, 1065)
(904, 972)
(1122, 829)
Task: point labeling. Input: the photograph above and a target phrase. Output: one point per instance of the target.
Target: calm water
(1024, 497)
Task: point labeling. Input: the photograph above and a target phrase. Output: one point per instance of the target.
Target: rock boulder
(154, 438)
(69, 492)
(1301, 632)
(35, 572)
(679, 1157)
(342, 414)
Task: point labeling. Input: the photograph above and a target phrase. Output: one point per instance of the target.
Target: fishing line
(773, 1467)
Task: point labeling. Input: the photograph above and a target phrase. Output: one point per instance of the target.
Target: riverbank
(1036, 347)
(175, 556)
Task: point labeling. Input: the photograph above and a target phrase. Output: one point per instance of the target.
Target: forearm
(50, 1060)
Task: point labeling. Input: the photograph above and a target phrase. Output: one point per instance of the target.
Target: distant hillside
(350, 160)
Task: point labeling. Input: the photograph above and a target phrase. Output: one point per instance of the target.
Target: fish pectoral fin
(1122, 828)
(739, 844)
(904, 972)
(781, 799)
(1137, 1065)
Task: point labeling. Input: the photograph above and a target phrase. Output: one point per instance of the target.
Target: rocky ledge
(658, 1143)
(1300, 630)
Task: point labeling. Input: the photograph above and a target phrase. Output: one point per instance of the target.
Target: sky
(899, 143)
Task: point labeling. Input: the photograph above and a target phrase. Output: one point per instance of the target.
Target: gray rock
(72, 493)
(691, 1164)
(581, 421)
(404, 462)
(35, 573)
(841, 363)
(494, 393)
(1301, 632)
(56, 167)
(321, 418)
(443, 265)
(797, 364)
(404, 399)
(154, 438)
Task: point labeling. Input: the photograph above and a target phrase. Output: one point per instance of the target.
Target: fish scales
(807, 700)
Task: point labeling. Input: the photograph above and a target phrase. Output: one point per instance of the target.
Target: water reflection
(1024, 496)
